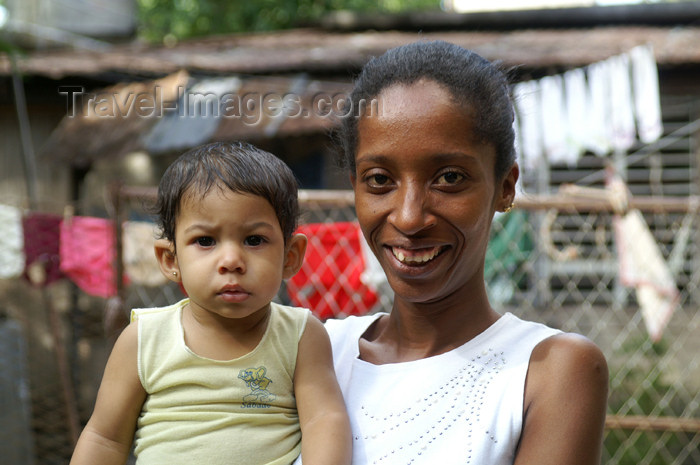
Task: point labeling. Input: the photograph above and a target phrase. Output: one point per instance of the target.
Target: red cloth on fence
(41, 248)
(330, 280)
(87, 250)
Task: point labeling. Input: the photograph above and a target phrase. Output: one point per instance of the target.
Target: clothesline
(44, 248)
(603, 108)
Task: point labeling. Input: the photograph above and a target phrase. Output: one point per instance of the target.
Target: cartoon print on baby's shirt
(256, 380)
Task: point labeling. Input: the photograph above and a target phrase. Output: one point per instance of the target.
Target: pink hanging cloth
(87, 250)
(41, 244)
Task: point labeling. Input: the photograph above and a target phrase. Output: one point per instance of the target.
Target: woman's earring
(174, 273)
(509, 207)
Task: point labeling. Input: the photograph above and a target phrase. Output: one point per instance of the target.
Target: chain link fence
(552, 259)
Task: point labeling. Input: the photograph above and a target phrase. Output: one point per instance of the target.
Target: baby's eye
(204, 241)
(451, 177)
(254, 241)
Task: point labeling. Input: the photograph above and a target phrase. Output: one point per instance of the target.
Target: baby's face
(230, 252)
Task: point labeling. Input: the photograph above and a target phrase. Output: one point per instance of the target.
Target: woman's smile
(417, 256)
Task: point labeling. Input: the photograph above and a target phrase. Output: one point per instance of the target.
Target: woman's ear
(165, 254)
(508, 184)
(294, 255)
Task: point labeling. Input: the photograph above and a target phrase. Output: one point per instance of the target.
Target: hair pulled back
(476, 84)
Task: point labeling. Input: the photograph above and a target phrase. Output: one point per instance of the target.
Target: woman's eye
(377, 180)
(205, 241)
(254, 241)
(450, 178)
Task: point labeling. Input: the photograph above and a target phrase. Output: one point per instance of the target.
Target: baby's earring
(509, 207)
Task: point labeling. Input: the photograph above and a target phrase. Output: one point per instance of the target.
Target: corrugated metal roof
(179, 112)
(312, 50)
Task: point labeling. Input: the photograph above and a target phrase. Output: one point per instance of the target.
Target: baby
(225, 376)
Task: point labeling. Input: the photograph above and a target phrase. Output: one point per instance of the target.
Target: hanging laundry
(599, 113)
(41, 248)
(11, 242)
(641, 263)
(554, 122)
(599, 108)
(621, 105)
(642, 267)
(577, 106)
(87, 250)
(140, 263)
(330, 280)
(645, 84)
(526, 100)
(516, 133)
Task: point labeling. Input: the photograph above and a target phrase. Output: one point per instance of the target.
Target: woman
(444, 378)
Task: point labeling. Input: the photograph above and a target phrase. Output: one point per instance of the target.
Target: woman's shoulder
(569, 352)
(566, 364)
(512, 331)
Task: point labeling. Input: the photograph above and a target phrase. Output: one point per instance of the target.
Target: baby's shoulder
(156, 312)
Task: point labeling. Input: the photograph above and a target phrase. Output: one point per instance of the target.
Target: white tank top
(461, 407)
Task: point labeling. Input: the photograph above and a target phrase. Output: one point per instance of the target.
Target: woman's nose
(412, 212)
(231, 259)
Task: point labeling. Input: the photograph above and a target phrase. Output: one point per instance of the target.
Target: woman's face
(425, 192)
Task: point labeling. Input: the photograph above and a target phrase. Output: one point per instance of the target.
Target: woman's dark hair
(238, 166)
(475, 83)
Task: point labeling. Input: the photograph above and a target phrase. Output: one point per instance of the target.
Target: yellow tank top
(200, 411)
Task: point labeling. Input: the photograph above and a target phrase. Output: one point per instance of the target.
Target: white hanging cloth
(645, 81)
(555, 122)
(641, 262)
(599, 114)
(602, 108)
(642, 267)
(140, 263)
(11, 242)
(621, 106)
(577, 110)
(526, 100)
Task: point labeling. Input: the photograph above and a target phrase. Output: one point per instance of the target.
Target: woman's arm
(325, 428)
(566, 394)
(108, 435)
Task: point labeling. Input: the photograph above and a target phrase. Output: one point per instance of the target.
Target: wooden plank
(643, 423)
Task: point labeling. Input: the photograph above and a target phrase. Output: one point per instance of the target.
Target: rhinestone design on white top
(456, 401)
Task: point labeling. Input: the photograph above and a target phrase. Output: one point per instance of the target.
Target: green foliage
(171, 20)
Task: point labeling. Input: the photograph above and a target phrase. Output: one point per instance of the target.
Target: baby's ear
(165, 254)
(294, 255)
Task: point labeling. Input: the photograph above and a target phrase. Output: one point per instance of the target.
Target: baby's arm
(325, 428)
(108, 435)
